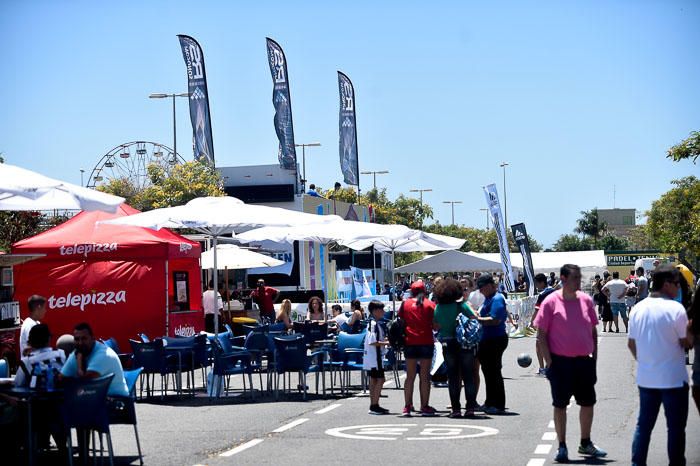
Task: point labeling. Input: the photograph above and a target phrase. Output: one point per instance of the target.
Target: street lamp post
(421, 191)
(505, 195)
(81, 177)
(374, 176)
(487, 217)
(303, 161)
(453, 209)
(165, 96)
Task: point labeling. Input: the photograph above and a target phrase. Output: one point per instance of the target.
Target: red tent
(118, 279)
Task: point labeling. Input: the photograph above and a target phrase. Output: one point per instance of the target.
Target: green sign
(614, 260)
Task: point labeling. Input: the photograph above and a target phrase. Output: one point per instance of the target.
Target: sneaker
(479, 408)
(494, 411)
(591, 450)
(377, 410)
(542, 371)
(562, 455)
(407, 411)
(455, 415)
(469, 413)
(428, 411)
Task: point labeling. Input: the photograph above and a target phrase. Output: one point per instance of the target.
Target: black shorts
(572, 376)
(376, 373)
(418, 352)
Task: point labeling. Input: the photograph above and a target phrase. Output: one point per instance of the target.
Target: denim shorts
(619, 309)
(419, 352)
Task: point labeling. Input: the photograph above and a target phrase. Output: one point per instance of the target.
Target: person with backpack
(418, 312)
(459, 360)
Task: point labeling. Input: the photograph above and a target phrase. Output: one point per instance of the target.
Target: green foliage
(614, 243)
(183, 183)
(479, 240)
(686, 149)
(590, 225)
(572, 243)
(674, 219)
(17, 225)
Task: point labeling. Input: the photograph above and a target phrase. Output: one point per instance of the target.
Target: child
(375, 347)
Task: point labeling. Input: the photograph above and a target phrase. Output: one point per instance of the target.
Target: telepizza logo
(85, 249)
(102, 298)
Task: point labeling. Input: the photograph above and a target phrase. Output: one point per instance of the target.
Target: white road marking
(291, 425)
(405, 431)
(543, 449)
(241, 447)
(551, 424)
(536, 462)
(549, 436)
(328, 408)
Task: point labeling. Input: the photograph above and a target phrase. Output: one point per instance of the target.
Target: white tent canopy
(233, 257)
(450, 261)
(545, 262)
(22, 189)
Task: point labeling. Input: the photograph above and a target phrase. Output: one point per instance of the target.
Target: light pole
(303, 161)
(505, 195)
(81, 177)
(487, 217)
(374, 176)
(421, 191)
(453, 209)
(165, 96)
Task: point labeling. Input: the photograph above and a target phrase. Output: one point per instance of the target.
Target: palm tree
(590, 225)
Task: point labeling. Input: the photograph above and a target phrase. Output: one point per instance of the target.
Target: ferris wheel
(130, 161)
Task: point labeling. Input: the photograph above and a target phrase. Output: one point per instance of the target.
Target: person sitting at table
(315, 310)
(351, 321)
(43, 361)
(41, 354)
(284, 315)
(92, 359)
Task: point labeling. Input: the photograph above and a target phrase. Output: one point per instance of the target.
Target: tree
(185, 182)
(674, 219)
(686, 149)
(572, 243)
(614, 243)
(18, 225)
(590, 225)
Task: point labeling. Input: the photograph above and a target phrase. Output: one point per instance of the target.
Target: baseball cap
(418, 286)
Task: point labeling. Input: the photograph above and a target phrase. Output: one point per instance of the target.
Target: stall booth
(121, 280)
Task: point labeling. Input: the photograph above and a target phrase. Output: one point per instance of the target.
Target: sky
(581, 98)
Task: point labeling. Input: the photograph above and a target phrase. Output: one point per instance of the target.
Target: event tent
(450, 261)
(118, 279)
(544, 262)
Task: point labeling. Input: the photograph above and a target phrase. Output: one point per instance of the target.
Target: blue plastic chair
(291, 356)
(154, 360)
(348, 356)
(144, 338)
(85, 408)
(123, 409)
(230, 361)
(4, 368)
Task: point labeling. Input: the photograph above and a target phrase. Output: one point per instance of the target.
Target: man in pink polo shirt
(567, 337)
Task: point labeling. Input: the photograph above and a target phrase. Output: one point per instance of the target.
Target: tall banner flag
(349, 163)
(282, 102)
(199, 99)
(498, 225)
(520, 235)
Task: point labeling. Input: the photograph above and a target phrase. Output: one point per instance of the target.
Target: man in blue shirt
(493, 315)
(92, 359)
(312, 191)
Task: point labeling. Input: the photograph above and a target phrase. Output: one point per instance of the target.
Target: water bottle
(50, 378)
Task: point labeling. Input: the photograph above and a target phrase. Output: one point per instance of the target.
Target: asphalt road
(339, 430)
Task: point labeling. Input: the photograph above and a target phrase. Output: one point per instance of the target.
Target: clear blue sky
(577, 96)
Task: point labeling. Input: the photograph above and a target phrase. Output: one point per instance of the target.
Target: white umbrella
(22, 189)
(216, 216)
(234, 257)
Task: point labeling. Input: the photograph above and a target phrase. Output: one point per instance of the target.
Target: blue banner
(199, 99)
(282, 102)
(349, 163)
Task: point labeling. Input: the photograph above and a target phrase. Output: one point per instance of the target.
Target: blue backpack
(468, 332)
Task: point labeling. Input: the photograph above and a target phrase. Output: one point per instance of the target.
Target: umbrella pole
(393, 282)
(216, 289)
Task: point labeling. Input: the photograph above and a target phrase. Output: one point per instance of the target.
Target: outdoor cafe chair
(144, 338)
(291, 356)
(347, 358)
(123, 409)
(85, 409)
(154, 360)
(229, 361)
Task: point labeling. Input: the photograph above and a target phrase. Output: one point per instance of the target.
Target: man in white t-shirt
(658, 337)
(616, 290)
(212, 304)
(37, 311)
